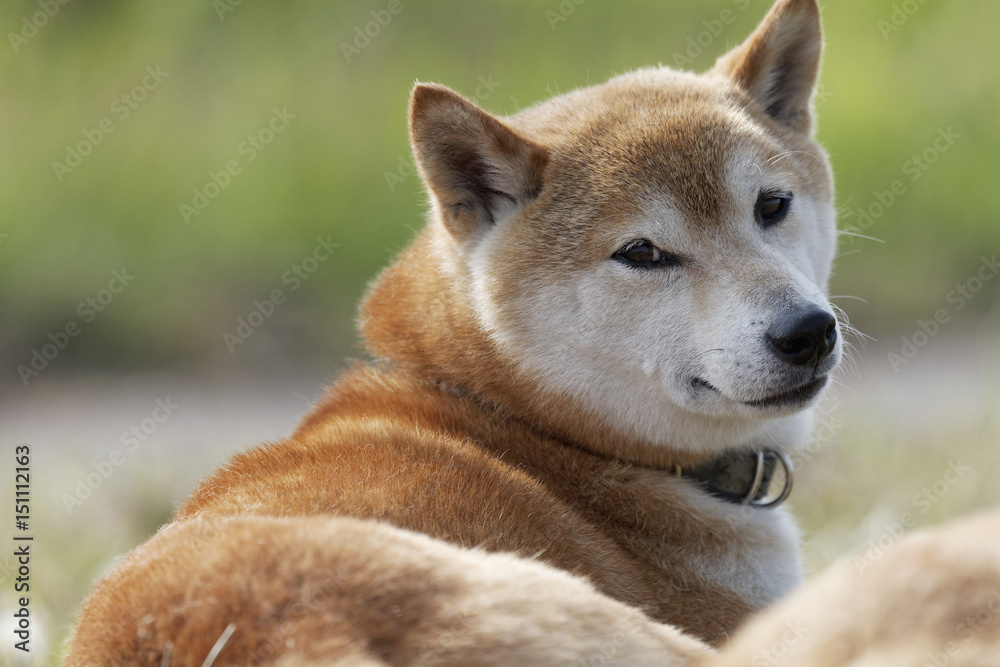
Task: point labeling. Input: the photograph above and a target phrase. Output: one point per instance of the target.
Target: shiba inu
(589, 367)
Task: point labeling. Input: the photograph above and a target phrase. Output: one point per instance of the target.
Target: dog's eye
(644, 255)
(772, 207)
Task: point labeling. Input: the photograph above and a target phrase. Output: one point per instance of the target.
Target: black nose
(804, 338)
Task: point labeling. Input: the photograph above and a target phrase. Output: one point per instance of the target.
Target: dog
(572, 442)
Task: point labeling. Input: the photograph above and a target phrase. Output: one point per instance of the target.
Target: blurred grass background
(896, 75)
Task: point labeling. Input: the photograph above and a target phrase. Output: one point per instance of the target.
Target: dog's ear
(779, 63)
(478, 170)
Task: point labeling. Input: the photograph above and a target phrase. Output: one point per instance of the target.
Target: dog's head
(652, 252)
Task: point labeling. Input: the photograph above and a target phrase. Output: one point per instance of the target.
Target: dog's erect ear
(779, 63)
(478, 170)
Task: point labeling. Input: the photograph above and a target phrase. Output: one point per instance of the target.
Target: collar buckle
(756, 478)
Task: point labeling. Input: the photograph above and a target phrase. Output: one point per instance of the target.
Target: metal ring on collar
(786, 463)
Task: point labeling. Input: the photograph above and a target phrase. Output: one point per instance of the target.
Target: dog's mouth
(793, 397)
(801, 394)
(698, 383)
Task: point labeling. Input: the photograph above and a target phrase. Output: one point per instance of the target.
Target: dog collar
(743, 477)
(761, 478)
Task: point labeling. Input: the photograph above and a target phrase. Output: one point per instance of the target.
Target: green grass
(884, 101)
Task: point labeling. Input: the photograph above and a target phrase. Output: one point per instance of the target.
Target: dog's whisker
(782, 156)
(773, 438)
(844, 232)
(840, 385)
(841, 255)
(840, 312)
(848, 296)
(861, 336)
(850, 365)
(826, 414)
(220, 643)
(779, 156)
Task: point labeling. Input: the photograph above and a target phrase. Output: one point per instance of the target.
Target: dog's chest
(692, 538)
(750, 551)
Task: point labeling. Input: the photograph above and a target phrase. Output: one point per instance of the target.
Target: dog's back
(266, 538)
